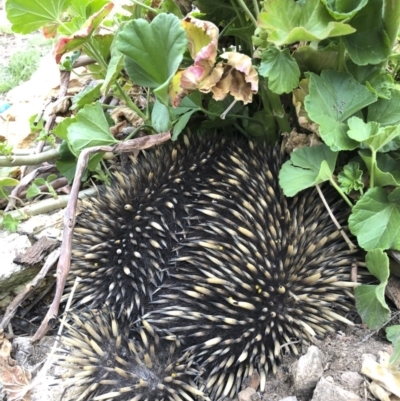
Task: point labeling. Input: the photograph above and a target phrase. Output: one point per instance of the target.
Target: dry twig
(17, 301)
(338, 226)
(70, 216)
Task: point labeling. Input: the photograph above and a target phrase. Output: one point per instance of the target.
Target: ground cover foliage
(325, 68)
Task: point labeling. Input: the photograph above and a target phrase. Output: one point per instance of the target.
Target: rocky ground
(330, 372)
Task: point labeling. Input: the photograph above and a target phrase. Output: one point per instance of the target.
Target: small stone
(252, 381)
(307, 371)
(289, 399)
(368, 356)
(327, 391)
(245, 395)
(255, 397)
(352, 379)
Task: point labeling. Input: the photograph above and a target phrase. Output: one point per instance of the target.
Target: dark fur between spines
(199, 241)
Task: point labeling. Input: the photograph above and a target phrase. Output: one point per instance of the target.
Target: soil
(343, 353)
(343, 350)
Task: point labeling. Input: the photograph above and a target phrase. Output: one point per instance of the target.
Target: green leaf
(94, 161)
(160, 118)
(10, 223)
(35, 124)
(375, 220)
(67, 63)
(181, 124)
(370, 134)
(370, 43)
(51, 178)
(100, 42)
(333, 98)
(33, 191)
(393, 335)
(66, 163)
(27, 16)
(288, 22)
(350, 179)
(78, 8)
(169, 6)
(90, 129)
(6, 182)
(216, 11)
(344, 9)
(61, 131)
(114, 68)
(86, 96)
(307, 167)
(39, 181)
(265, 128)
(386, 169)
(103, 45)
(360, 131)
(242, 32)
(370, 299)
(376, 80)
(281, 69)
(153, 51)
(5, 149)
(316, 60)
(386, 112)
(381, 84)
(193, 101)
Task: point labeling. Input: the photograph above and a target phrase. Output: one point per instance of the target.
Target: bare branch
(64, 262)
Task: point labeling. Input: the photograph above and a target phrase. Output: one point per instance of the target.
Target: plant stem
(332, 216)
(253, 120)
(29, 160)
(342, 194)
(147, 104)
(240, 129)
(267, 107)
(128, 101)
(391, 20)
(148, 8)
(98, 57)
(372, 172)
(231, 22)
(142, 127)
(341, 60)
(238, 13)
(277, 108)
(242, 4)
(256, 8)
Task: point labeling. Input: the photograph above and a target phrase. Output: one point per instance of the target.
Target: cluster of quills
(197, 271)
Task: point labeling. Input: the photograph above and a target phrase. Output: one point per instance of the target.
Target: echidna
(199, 240)
(125, 238)
(105, 360)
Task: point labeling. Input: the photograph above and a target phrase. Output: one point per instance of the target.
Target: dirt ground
(343, 352)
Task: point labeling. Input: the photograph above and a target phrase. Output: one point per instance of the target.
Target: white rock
(307, 371)
(352, 379)
(327, 391)
(245, 395)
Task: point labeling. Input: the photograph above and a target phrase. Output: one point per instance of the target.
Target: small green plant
(34, 189)
(5, 149)
(6, 182)
(19, 68)
(10, 223)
